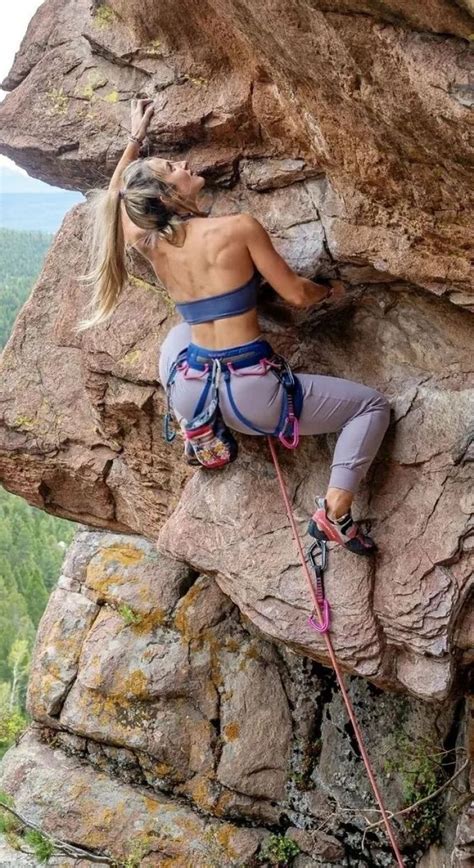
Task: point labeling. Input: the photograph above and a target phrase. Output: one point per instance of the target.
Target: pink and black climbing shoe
(342, 530)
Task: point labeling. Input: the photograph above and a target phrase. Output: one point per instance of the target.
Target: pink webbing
(187, 376)
(332, 656)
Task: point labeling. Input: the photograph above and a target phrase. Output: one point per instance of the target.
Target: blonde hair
(151, 203)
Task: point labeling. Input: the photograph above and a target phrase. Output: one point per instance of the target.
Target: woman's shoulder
(240, 222)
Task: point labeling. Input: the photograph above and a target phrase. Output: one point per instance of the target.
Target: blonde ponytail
(105, 245)
(153, 205)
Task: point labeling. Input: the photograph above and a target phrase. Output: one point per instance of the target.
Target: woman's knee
(381, 403)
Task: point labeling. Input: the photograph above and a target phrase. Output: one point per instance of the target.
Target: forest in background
(32, 543)
(21, 260)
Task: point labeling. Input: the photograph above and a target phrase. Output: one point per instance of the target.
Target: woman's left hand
(141, 114)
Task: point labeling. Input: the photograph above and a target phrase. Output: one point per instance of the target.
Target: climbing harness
(317, 592)
(214, 451)
(208, 440)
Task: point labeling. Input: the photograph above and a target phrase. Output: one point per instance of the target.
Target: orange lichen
(201, 790)
(136, 683)
(152, 805)
(162, 769)
(156, 618)
(181, 620)
(124, 554)
(231, 731)
(225, 799)
(224, 835)
(232, 644)
(188, 825)
(208, 636)
(98, 575)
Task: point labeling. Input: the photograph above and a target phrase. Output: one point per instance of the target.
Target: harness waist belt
(239, 357)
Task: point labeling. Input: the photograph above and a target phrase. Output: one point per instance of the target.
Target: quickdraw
(319, 548)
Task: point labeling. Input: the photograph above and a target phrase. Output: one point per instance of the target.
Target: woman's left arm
(141, 114)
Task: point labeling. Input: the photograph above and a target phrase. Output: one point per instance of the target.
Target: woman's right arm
(297, 290)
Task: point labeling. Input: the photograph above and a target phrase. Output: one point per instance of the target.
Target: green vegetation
(139, 849)
(279, 851)
(417, 765)
(32, 547)
(17, 834)
(42, 847)
(128, 615)
(21, 259)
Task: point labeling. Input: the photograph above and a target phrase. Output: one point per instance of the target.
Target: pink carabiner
(293, 443)
(321, 628)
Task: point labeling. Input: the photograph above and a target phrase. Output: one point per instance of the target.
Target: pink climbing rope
(332, 656)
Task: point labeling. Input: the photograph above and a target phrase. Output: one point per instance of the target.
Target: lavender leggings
(330, 404)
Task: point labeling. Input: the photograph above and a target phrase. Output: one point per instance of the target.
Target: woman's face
(178, 174)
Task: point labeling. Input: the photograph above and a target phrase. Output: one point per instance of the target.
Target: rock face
(342, 127)
(374, 96)
(157, 702)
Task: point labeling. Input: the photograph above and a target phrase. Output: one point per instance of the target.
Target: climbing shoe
(342, 530)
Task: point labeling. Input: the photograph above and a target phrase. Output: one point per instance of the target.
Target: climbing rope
(318, 597)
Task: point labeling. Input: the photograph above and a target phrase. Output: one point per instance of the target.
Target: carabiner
(319, 547)
(292, 424)
(324, 626)
(285, 372)
(323, 548)
(168, 433)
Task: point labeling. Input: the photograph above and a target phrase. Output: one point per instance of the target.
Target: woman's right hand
(141, 113)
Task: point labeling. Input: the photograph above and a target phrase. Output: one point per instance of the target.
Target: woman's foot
(342, 530)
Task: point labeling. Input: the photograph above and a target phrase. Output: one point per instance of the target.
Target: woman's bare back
(213, 259)
(220, 254)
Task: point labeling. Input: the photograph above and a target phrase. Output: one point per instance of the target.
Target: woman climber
(211, 267)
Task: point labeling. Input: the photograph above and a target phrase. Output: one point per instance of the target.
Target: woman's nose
(183, 164)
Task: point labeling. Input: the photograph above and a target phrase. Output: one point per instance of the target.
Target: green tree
(21, 260)
(32, 548)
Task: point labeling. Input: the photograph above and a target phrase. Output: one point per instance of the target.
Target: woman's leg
(361, 413)
(331, 404)
(176, 340)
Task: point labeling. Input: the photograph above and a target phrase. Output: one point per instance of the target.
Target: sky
(14, 24)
